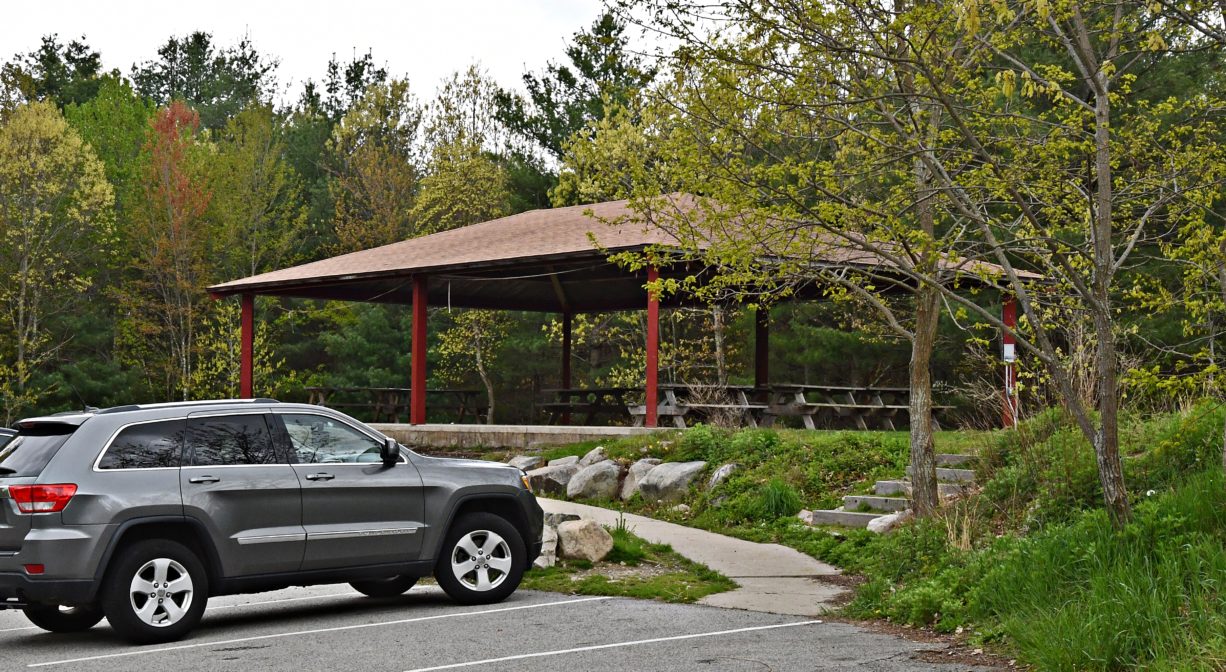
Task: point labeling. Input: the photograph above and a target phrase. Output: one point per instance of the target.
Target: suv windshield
(28, 452)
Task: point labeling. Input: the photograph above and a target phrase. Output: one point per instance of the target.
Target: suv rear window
(149, 445)
(229, 441)
(32, 449)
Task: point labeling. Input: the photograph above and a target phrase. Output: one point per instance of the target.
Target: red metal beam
(566, 342)
(762, 347)
(417, 384)
(1009, 355)
(653, 350)
(246, 365)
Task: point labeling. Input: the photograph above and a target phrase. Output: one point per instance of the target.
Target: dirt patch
(957, 651)
(615, 571)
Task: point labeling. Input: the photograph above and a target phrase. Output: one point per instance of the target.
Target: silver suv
(141, 513)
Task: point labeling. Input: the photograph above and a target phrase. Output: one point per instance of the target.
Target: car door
(235, 482)
(356, 510)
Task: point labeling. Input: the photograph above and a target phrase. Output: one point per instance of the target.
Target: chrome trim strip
(270, 539)
(347, 534)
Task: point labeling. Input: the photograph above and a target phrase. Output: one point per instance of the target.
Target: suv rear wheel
(389, 587)
(54, 618)
(155, 592)
(483, 559)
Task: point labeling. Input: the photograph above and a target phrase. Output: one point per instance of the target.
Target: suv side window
(229, 440)
(149, 445)
(320, 439)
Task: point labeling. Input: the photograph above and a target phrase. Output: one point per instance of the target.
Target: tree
(1018, 123)
(374, 152)
(64, 74)
(168, 241)
(216, 82)
(602, 72)
(256, 208)
(55, 214)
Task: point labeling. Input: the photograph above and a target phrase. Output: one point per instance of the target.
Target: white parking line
(232, 606)
(559, 652)
(299, 633)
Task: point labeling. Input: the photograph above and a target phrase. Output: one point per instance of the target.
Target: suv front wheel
(155, 592)
(483, 559)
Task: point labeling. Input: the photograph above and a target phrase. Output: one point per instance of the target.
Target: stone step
(844, 518)
(884, 504)
(952, 475)
(902, 488)
(952, 460)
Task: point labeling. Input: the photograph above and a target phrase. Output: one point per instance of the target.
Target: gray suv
(141, 513)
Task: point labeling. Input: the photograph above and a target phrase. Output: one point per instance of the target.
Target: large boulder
(584, 540)
(556, 519)
(637, 471)
(888, 523)
(563, 461)
(594, 456)
(722, 474)
(526, 462)
(552, 480)
(598, 481)
(549, 548)
(671, 480)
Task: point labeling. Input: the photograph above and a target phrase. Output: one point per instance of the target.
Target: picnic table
(561, 402)
(739, 402)
(860, 405)
(389, 403)
(865, 407)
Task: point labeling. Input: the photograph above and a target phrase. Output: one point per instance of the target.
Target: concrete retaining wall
(500, 436)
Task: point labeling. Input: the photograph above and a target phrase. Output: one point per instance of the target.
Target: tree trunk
(924, 494)
(489, 385)
(1106, 439)
(717, 328)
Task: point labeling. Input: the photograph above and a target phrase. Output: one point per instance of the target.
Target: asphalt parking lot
(332, 628)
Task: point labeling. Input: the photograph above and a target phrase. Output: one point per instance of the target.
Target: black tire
(132, 615)
(507, 551)
(54, 618)
(389, 587)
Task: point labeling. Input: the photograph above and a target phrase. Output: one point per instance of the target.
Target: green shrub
(777, 499)
(699, 443)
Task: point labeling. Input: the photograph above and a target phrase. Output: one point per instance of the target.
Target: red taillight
(36, 569)
(42, 498)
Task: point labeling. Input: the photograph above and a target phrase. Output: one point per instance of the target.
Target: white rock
(584, 540)
(671, 480)
(722, 474)
(556, 519)
(597, 481)
(889, 523)
(549, 548)
(681, 508)
(563, 461)
(594, 456)
(526, 462)
(636, 473)
(805, 516)
(552, 480)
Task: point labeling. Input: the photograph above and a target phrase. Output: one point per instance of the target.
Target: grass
(666, 575)
(1030, 564)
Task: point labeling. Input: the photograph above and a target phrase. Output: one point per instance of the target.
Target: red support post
(761, 347)
(566, 342)
(653, 351)
(417, 357)
(246, 365)
(1009, 355)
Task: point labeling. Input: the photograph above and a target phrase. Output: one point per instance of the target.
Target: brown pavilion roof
(552, 259)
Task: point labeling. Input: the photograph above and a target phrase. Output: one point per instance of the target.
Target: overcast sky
(423, 39)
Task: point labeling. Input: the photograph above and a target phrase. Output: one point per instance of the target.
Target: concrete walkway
(771, 578)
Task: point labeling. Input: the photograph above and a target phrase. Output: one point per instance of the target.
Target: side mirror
(390, 453)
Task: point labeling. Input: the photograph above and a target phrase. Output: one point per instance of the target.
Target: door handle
(204, 479)
(319, 477)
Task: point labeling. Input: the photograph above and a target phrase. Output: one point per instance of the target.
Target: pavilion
(551, 260)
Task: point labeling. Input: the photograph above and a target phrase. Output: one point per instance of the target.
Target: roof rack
(172, 404)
